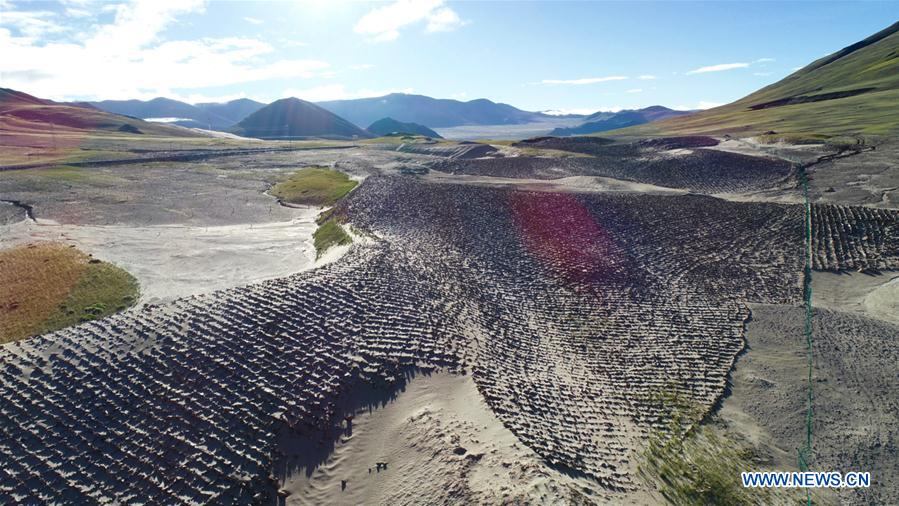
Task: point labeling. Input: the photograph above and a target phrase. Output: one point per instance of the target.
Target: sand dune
(439, 440)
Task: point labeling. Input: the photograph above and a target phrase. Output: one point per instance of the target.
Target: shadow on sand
(304, 450)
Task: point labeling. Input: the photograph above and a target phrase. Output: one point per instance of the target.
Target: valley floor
(501, 330)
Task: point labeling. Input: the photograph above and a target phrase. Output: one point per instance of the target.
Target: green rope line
(806, 450)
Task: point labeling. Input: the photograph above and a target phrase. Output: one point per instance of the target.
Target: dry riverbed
(173, 261)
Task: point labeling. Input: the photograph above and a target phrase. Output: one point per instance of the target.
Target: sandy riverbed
(172, 261)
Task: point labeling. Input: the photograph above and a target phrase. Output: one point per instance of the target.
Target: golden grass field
(48, 286)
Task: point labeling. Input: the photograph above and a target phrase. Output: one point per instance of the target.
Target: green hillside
(389, 126)
(854, 91)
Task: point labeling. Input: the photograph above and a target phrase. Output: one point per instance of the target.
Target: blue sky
(569, 56)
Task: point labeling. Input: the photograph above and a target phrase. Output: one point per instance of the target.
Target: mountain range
(233, 111)
(212, 116)
(388, 126)
(605, 121)
(291, 118)
(431, 112)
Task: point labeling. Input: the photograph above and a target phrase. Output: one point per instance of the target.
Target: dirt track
(168, 156)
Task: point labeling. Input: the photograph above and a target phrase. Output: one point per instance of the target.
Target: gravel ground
(856, 415)
(225, 191)
(870, 178)
(10, 213)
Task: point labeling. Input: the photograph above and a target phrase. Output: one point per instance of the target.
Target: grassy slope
(872, 63)
(703, 467)
(62, 120)
(318, 187)
(48, 286)
(329, 233)
(33, 130)
(314, 187)
(103, 289)
(694, 463)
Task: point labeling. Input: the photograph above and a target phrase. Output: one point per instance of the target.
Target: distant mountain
(387, 126)
(295, 118)
(172, 111)
(557, 113)
(234, 111)
(81, 104)
(432, 112)
(854, 91)
(10, 98)
(605, 121)
(599, 116)
(22, 113)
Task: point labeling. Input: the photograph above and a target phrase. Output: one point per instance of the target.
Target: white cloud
(32, 24)
(764, 60)
(443, 20)
(337, 92)
(286, 43)
(701, 105)
(585, 80)
(583, 111)
(647, 77)
(127, 59)
(634, 90)
(718, 68)
(384, 23)
(459, 96)
(254, 21)
(166, 120)
(564, 112)
(762, 74)
(138, 24)
(74, 12)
